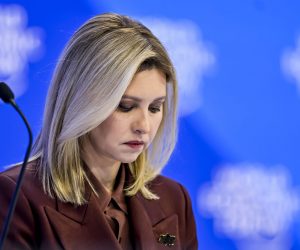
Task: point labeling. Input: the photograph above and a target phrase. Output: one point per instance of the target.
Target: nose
(142, 123)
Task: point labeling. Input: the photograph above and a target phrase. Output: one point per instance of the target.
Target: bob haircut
(93, 72)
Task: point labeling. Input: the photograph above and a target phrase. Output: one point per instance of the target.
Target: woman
(109, 128)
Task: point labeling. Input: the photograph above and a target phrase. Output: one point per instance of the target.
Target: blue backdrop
(238, 66)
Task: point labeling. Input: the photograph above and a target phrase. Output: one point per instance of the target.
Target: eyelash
(126, 109)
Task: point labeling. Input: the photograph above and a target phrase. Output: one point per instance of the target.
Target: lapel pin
(167, 239)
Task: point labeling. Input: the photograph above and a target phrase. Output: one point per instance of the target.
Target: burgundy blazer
(41, 222)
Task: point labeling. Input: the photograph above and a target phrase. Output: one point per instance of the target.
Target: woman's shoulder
(167, 188)
(12, 172)
(164, 180)
(31, 186)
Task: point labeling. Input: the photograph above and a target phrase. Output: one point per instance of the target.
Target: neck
(105, 174)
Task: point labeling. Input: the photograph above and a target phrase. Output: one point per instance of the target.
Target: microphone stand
(14, 199)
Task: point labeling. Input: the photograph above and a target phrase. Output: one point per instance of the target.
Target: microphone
(8, 97)
(5, 93)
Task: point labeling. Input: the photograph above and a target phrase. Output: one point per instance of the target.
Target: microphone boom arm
(14, 199)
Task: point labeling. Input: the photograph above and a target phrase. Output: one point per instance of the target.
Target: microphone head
(5, 93)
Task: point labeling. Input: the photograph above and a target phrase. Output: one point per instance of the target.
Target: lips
(135, 144)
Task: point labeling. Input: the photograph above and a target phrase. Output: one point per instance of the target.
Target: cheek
(104, 130)
(113, 126)
(156, 124)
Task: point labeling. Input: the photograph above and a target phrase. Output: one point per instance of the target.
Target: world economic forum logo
(252, 204)
(290, 63)
(19, 46)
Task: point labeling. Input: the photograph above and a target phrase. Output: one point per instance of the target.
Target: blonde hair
(94, 70)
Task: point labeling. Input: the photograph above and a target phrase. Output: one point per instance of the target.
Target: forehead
(148, 83)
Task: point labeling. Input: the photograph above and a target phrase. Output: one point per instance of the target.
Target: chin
(128, 159)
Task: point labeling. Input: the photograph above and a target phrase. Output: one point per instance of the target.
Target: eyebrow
(161, 98)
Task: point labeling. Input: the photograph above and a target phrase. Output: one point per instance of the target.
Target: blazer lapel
(149, 223)
(141, 226)
(83, 227)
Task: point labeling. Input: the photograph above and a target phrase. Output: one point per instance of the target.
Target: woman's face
(132, 126)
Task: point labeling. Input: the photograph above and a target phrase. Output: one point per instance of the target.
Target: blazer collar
(83, 227)
(142, 219)
(143, 215)
(75, 213)
(78, 226)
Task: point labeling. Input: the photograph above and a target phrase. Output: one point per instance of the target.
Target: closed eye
(155, 108)
(125, 108)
